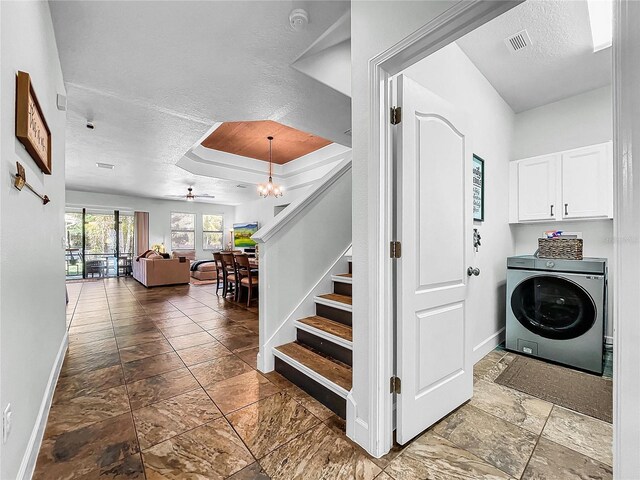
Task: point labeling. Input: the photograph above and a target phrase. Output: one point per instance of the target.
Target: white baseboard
(488, 344)
(30, 457)
(357, 429)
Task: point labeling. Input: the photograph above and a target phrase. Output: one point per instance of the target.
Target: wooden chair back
(244, 267)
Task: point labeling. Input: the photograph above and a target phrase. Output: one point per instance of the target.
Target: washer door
(553, 307)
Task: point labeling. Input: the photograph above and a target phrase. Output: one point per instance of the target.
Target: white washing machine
(557, 309)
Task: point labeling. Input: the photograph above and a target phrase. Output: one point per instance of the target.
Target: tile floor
(161, 384)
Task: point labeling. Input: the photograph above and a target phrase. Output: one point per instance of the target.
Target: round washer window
(553, 307)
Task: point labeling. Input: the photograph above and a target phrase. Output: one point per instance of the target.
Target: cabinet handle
(551, 210)
(566, 209)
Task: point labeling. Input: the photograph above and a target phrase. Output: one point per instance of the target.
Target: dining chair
(230, 274)
(220, 276)
(248, 277)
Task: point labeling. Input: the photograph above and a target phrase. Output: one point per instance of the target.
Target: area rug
(579, 391)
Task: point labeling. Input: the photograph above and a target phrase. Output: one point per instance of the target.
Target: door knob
(473, 271)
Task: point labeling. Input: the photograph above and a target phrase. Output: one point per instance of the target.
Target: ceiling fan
(190, 197)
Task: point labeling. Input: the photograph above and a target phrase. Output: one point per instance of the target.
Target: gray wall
(32, 289)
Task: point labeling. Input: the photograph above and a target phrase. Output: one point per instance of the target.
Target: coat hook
(21, 181)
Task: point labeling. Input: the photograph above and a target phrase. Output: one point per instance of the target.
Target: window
(183, 231)
(212, 232)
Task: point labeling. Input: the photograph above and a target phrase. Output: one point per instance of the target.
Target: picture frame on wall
(478, 189)
(31, 127)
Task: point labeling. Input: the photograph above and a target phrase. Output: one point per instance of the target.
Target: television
(242, 234)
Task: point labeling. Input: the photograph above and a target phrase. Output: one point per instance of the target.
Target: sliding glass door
(99, 243)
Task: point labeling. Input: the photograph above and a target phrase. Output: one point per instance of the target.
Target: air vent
(518, 42)
(348, 132)
(241, 186)
(107, 166)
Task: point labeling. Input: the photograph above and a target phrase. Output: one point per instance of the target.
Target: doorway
(461, 20)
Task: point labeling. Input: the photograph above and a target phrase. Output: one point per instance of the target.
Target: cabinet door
(586, 182)
(537, 188)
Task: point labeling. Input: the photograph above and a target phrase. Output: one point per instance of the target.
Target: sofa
(153, 272)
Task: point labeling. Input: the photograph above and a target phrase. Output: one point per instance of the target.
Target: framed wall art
(478, 189)
(31, 127)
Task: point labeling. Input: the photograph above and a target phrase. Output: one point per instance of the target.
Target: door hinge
(395, 249)
(396, 115)
(395, 385)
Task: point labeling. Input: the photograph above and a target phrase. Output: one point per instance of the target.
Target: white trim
(30, 457)
(323, 334)
(457, 21)
(339, 279)
(333, 303)
(300, 207)
(626, 226)
(488, 344)
(325, 382)
(357, 427)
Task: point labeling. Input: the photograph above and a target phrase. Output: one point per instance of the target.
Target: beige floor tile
(586, 435)
(494, 440)
(551, 461)
(518, 408)
(435, 458)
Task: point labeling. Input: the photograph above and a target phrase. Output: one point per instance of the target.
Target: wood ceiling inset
(249, 139)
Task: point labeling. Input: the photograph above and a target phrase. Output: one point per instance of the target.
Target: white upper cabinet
(587, 182)
(537, 188)
(574, 184)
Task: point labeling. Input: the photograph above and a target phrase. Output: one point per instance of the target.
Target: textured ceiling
(249, 139)
(559, 64)
(155, 76)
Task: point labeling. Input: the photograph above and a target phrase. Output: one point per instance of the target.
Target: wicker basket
(568, 248)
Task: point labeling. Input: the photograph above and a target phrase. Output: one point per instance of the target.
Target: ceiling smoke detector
(298, 19)
(518, 41)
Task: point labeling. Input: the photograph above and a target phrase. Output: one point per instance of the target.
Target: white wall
(584, 119)
(262, 209)
(375, 27)
(159, 214)
(32, 288)
(451, 75)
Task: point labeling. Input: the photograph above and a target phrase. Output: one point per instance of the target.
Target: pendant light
(269, 189)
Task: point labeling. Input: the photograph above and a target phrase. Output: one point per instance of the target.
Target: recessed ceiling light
(107, 166)
(601, 20)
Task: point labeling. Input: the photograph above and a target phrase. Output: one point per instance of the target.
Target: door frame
(454, 23)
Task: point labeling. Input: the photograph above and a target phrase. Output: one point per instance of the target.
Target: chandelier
(269, 189)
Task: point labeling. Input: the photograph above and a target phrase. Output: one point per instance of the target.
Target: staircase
(319, 360)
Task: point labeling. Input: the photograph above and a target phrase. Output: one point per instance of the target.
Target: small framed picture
(478, 189)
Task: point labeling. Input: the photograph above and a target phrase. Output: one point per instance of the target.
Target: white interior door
(434, 222)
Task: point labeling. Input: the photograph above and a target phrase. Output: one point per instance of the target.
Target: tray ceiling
(249, 139)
